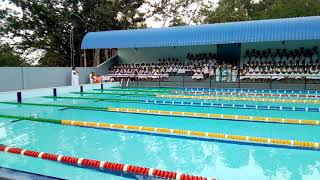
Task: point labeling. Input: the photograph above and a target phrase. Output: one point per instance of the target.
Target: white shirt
(74, 78)
(206, 70)
(74, 74)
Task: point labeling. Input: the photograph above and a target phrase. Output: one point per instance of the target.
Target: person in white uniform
(218, 74)
(74, 77)
(234, 73)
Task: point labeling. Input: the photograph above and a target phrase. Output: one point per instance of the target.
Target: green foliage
(47, 24)
(8, 57)
(290, 8)
(175, 12)
(239, 10)
(52, 59)
(227, 11)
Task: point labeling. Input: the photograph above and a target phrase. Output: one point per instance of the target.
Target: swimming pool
(233, 151)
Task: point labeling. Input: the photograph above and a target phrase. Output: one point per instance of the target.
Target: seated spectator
(95, 78)
(197, 75)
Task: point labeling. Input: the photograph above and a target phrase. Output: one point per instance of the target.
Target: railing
(275, 81)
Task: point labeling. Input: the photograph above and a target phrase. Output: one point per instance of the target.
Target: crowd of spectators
(258, 65)
(281, 64)
(198, 66)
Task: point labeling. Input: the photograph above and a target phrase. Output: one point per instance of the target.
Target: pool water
(209, 158)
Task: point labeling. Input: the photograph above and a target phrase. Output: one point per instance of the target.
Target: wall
(21, 78)
(27, 94)
(289, 45)
(142, 55)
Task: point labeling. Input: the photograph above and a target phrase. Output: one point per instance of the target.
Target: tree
(290, 8)
(8, 57)
(227, 11)
(47, 24)
(176, 12)
(240, 10)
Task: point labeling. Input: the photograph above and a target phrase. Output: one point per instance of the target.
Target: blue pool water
(223, 160)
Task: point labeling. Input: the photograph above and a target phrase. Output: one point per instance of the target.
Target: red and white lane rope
(103, 165)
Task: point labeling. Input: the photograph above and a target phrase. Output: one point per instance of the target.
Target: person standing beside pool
(74, 77)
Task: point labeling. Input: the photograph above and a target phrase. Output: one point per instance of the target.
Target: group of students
(195, 66)
(295, 64)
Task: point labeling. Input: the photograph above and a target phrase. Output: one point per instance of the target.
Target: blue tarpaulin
(304, 28)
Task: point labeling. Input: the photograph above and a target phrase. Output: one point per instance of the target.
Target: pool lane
(192, 98)
(223, 90)
(283, 131)
(103, 105)
(202, 103)
(197, 157)
(240, 111)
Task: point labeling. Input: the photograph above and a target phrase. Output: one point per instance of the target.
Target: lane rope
(216, 116)
(239, 99)
(247, 94)
(234, 106)
(230, 90)
(179, 133)
(133, 90)
(183, 114)
(194, 104)
(102, 165)
(124, 94)
(254, 90)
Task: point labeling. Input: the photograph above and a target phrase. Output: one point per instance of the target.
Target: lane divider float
(183, 114)
(235, 106)
(247, 94)
(254, 90)
(216, 116)
(102, 165)
(181, 103)
(179, 133)
(118, 93)
(239, 99)
(133, 90)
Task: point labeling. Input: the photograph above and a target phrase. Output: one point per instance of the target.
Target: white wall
(26, 94)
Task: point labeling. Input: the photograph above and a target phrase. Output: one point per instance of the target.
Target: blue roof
(304, 28)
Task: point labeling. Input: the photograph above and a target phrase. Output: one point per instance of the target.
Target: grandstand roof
(304, 28)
